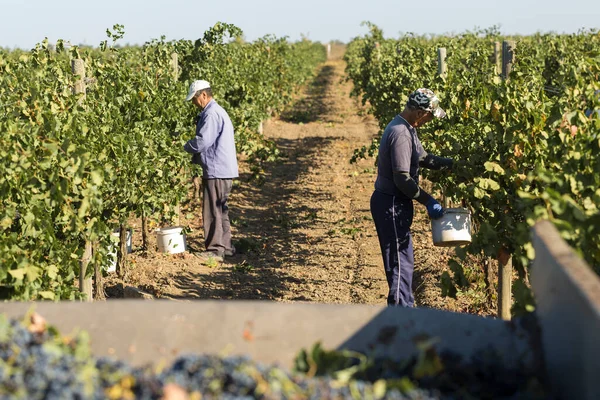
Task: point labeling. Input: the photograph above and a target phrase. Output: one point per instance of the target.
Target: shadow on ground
(313, 105)
(268, 224)
(266, 233)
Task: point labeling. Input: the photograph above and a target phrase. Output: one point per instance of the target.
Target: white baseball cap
(195, 86)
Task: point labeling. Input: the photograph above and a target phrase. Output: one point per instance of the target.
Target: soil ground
(306, 233)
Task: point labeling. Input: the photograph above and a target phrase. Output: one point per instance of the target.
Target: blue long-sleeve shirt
(214, 146)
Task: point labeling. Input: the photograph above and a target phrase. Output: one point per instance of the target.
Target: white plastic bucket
(112, 250)
(453, 228)
(171, 240)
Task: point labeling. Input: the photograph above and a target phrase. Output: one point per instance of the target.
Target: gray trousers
(215, 214)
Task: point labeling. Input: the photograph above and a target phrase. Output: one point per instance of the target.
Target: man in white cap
(397, 185)
(213, 148)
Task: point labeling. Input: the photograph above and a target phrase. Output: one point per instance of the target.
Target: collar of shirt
(210, 103)
(406, 122)
(411, 128)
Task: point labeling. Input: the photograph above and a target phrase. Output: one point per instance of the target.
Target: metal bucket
(453, 228)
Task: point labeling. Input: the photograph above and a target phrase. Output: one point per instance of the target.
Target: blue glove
(434, 209)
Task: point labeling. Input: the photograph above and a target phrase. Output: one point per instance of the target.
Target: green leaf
(52, 271)
(18, 274)
(379, 389)
(530, 251)
(96, 177)
(494, 167)
(32, 272)
(488, 184)
(47, 295)
(478, 193)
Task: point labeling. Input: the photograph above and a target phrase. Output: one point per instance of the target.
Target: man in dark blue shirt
(397, 185)
(213, 148)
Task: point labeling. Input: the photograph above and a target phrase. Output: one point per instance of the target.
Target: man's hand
(434, 209)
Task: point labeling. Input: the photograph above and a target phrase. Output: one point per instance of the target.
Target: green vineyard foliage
(75, 167)
(527, 148)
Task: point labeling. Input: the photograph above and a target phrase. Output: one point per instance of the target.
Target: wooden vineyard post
(99, 293)
(508, 57)
(85, 283)
(78, 69)
(175, 65)
(498, 58)
(442, 70)
(175, 72)
(328, 51)
(505, 267)
(196, 180)
(122, 252)
(504, 284)
(144, 231)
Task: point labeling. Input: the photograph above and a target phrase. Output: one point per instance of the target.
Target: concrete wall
(567, 293)
(147, 331)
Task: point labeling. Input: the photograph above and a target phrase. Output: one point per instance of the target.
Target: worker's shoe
(230, 252)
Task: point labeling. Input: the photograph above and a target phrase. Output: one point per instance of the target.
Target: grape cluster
(36, 362)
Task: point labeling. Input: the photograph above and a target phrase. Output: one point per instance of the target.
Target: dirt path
(306, 233)
(314, 217)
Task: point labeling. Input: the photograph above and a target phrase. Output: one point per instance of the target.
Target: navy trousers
(393, 217)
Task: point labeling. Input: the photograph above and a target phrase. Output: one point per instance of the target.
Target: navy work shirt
(400, 150)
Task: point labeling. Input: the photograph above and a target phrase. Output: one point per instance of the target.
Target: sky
(23, 23)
